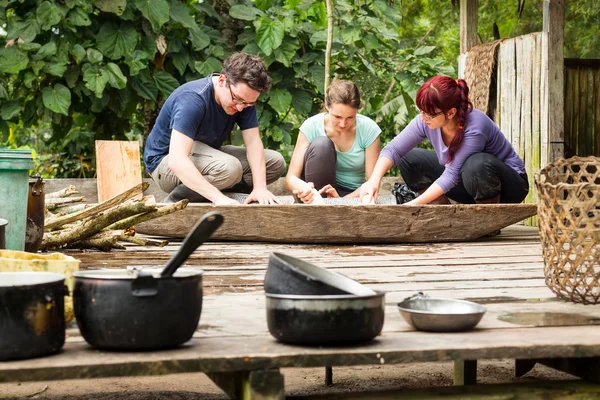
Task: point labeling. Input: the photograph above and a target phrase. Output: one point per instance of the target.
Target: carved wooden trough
(345, 223)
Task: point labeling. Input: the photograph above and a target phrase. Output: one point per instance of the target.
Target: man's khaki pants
(223, 167)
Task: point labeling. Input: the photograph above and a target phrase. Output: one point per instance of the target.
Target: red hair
(444, 93)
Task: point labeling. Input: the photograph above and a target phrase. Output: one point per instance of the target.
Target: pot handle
(144, 285)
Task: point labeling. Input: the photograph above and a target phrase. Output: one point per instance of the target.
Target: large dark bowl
(115, 310)
(325, 320)
(290, 275)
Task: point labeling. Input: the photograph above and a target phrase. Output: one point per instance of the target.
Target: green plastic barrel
(14, 189)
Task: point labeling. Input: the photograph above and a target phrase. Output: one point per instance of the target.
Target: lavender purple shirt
(481, 135)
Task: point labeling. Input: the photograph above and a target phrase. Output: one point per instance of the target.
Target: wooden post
(552, 118)
(465, 372)
(468, 25)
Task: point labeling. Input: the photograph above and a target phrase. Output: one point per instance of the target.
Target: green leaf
(155, 11)
(94, 56)
(111, 6)
(57, 99)
(286, 52)
(265, 118)
(79, 17)
(269, 35)
(48, 15)
(28, 79)
(181, 60)
(165, 82)
(55, 68)
(47, 50)
(10, 109)
(280, 100)
(301, 101)
(116, 77)
(3, 92)
(30, 46)
(370, 42)
(78, 52)
(71, 75)
(199, 39)
(37, 66)
(95, 79)
(117, 41)
(148, 90)
(12, 60)
(138, 62)
(26, 30)
(4, 130)
(318, 37)
(317, 74)
(208, 66)
(243, 12)
(181, 13)
(98, 104)
(351, 35)
(424, 50)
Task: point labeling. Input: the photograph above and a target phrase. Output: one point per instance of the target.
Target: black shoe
(241, 187)
(183, 192)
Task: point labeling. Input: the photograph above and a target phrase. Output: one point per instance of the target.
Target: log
(60, 211)
(58, 201)
(92, 225)
(66, 192)
(58, 222)
(137, 219)
(102, 244)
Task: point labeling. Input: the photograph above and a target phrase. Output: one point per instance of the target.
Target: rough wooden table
(232, 345)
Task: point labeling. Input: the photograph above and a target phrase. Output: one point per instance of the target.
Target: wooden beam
(552, 123)
(468, 25)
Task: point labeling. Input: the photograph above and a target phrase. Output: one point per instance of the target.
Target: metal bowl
(325, 320)
(290, 275)
(440, 315)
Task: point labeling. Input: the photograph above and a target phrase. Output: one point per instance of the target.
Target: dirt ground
(298, 381)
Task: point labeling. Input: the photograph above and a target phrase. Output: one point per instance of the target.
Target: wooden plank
(569, 100)
(506, 69)
(518, 99)
(576, 100)
(468, 25)
(527, 62)
(589, 113)
(117, 167)
(345, 224)
(535, 153)
(597, 110)
(553, 80)
(581, 114)
(223, 354)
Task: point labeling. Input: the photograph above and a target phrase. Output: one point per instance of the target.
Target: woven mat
(480, 70)
(383, 199)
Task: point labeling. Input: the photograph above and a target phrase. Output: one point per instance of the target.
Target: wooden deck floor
(525, 320)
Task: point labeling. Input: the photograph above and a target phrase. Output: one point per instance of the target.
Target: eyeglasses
(237, 100)
(429, 117)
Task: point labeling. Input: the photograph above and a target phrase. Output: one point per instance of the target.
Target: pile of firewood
(101, 226)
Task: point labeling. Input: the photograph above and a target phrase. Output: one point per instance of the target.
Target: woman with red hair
(473, 162)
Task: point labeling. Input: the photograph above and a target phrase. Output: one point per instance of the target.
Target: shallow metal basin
(440, 315)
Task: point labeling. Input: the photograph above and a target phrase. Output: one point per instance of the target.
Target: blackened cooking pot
(143, 309)
(137, 309)
(325, 320)
(290, 275)
(32, 314)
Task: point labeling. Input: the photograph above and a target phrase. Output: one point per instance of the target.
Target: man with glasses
(184, 152)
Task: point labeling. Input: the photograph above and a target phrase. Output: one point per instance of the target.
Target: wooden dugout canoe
(345, 223)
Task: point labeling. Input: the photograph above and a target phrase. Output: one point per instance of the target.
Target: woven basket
(569, 223)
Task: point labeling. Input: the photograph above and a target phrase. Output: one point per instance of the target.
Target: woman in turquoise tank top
(336, 150)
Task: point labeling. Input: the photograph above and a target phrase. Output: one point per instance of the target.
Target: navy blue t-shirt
(192, 110)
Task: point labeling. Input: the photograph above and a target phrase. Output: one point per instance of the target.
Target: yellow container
(20, 261)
